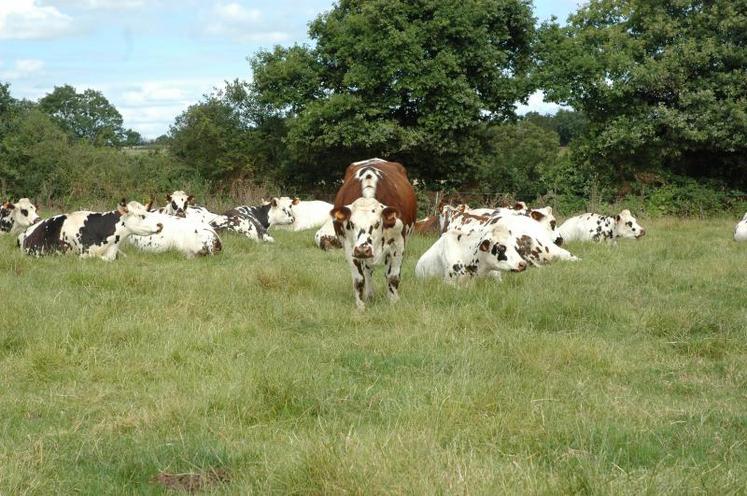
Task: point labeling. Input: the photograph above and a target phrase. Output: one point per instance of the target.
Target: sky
(153, 58)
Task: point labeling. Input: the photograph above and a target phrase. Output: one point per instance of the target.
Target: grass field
(252, 373)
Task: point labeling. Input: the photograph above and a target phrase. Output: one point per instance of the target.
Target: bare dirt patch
(191, 482)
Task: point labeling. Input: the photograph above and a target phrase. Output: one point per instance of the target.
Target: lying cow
(595, 227)
(186, 235)
(307, 214)
(254, 221)
(533, 241)
(89, 234)
(371, 234)
(458, 256)
(17, 216)
(740, 232)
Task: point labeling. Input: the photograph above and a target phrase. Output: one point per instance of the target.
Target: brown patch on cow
(191, 482)
(538, 216)
(427, 225)
(329, 243)
(390, 216)
(524, 245)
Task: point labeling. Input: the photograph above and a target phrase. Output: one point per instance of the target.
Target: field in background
(251, 372)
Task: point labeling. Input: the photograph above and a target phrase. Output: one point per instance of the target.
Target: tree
(87, 115)
(661, 82)
(415, 81)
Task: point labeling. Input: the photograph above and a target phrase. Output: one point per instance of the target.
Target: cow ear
(538, 216)
(122, 207)
(485, 245)
(296, 201)
(190, 200)
(340, 214)
(168, 198)
(149, 205)
(618, 218)
(274, 202)
(390, 216)
(8, 205)
(518, 206)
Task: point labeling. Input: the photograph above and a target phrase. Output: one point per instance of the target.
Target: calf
(458, 256)
(17, 216)
(371, 234)
(89, 234)
(740, 232)
(188, 236)
(595, 227)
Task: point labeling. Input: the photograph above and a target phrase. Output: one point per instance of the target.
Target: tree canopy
(662, 83)
(415, 81)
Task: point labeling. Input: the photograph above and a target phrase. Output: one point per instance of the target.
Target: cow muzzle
(520, 267)
(363, 251)
(181, 213)
(36, 221)
(641, 234)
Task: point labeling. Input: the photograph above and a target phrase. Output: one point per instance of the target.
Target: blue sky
(153, 58)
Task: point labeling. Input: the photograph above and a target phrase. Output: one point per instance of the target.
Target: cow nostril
(160, 227)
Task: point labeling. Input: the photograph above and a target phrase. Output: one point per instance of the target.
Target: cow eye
(24, 212)
(142, 217)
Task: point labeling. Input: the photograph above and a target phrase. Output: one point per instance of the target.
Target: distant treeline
(655, 95)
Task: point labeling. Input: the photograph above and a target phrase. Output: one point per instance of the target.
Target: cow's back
(393, 188)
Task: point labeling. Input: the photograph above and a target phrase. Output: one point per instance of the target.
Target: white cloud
(25, 20)
(239, 23)
(537, 103)
(22, 68)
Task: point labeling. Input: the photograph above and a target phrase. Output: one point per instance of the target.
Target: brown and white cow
(374, 211)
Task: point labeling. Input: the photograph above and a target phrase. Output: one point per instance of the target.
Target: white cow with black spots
(458, 256)
(595, 227)
(17, 216)
(89, 234)
(371, 234)
(740, 232)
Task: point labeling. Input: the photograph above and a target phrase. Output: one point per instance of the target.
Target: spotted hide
(89, 234)
(459, 256)
(595, 227)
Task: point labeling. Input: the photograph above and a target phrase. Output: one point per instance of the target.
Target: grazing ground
(251, 372)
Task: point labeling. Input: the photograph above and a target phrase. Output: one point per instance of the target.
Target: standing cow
(89, 234)
(374, 211)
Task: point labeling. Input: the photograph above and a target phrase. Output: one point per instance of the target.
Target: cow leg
(368, 271)
(394, 266)
(359, 283)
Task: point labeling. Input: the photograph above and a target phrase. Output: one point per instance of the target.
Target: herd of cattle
(373, 214)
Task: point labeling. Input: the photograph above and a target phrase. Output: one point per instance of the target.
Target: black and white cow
(595, 227)
(371, 234)
(89, 234)
(17, 216)
(258, 219)
(459, 256)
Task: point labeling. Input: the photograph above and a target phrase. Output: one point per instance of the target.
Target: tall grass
(623, 373)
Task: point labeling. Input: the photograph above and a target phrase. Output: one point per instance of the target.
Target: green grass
(625, 373)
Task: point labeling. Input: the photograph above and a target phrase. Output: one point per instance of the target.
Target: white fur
(188, 236)
(308, 215)
(17, 216)
(740, 232)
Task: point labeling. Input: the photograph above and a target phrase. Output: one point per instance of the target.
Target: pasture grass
(624, 373)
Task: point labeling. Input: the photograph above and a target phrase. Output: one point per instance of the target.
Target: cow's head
(177, 203)
(496, 250)
(626, 226)
(281, 211)
(364, 225)
(546, 218)
(137, 219)
(20, 214)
